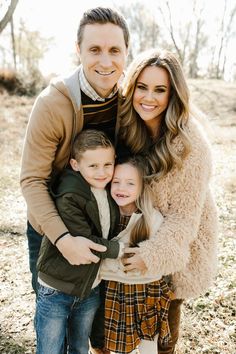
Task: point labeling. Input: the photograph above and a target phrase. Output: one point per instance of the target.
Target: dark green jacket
(78, 209)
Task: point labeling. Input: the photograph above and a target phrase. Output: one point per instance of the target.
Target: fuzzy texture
(186, 242)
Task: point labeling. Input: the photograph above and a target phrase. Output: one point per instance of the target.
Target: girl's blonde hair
(162, 155)
(141, 230)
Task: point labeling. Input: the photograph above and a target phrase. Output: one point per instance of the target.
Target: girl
(137, 303)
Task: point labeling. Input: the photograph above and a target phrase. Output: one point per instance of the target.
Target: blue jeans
(34, 243)
(58, 315)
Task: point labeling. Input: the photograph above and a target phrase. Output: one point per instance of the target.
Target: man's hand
(77, 250)
(133, 262)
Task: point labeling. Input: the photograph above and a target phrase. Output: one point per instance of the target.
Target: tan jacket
(186, 241)
(55, 119)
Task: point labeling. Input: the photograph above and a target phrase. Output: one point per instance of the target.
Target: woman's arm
(169, 251)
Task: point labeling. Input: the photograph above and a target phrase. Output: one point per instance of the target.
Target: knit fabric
(104, 211)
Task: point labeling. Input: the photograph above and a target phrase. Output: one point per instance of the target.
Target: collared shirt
(89, 91)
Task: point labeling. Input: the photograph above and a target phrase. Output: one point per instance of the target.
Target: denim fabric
(34, 243)
(58, 314)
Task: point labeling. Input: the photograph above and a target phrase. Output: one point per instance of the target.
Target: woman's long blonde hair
(141, 229)
(162, 156)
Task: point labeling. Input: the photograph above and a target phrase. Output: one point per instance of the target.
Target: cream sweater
(113, 269)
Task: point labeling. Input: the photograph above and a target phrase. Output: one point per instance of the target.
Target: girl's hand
(134, 261)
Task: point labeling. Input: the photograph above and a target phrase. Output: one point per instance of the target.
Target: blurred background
(37, 42)
(37, 38)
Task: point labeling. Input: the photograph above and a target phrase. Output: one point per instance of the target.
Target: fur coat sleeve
(182, 197)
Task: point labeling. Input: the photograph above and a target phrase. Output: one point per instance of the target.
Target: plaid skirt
(134, 312)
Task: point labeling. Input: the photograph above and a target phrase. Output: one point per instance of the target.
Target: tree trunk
(8, 14)
(13, 43)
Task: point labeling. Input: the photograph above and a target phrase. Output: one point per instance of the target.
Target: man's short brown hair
(103, 15)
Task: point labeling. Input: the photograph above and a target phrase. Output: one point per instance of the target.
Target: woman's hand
(134, 261)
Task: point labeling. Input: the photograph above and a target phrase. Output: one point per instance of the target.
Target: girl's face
(126, 187)
(151, 95)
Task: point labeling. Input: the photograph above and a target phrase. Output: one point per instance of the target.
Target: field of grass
(208, 323)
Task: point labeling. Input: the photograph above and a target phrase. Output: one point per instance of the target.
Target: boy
(65, 300)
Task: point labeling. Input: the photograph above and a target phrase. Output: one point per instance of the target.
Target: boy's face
(103, 54)
(126, 186)
(96, 166)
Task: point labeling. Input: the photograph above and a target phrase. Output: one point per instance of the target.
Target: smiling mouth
(148, 107)
(105, 73)
(121, 196)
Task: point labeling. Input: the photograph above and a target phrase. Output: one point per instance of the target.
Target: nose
(121, 187)
(149, 96)
(105, 60)
(101, 172)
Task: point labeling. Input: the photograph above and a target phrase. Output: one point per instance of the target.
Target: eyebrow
(99, 46)
(127, 180)
(159, 86)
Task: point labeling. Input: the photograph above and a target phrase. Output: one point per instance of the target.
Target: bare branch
(8, 15)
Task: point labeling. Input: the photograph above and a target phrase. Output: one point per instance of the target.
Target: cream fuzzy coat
(187, 238)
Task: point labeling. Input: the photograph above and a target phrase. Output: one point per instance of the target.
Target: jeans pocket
(46, 292)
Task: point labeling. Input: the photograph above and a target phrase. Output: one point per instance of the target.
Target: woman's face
(151, 94)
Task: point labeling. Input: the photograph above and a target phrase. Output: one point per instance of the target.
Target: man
(86, 99)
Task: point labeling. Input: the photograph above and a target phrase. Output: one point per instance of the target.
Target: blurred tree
(198, 41)
(144, 30)
(168, 21)
(7, 12)
(225, 33)
(188, 37)
(30, 48)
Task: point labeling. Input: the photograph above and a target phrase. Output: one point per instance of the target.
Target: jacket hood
(69, 86)
(75, 183)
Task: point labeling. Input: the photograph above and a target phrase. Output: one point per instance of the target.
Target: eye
(108, 164)
(115, 50)
(94, 50)
(141, 87)
(160, 90)
(93, 166)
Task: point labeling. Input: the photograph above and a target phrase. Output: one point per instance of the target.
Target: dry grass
(208, 323)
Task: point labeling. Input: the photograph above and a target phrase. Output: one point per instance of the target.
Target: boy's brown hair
(89, 139)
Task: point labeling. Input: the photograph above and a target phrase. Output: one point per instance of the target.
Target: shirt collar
(89, 91)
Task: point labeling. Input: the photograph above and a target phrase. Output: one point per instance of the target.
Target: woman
(155, 121)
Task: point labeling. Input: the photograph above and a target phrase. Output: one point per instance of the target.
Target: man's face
(103, 54)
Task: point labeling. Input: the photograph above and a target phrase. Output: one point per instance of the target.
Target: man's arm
(45, 133)
(77, 250)
(72, 210)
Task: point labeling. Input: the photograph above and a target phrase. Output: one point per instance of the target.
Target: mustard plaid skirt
(134, 312)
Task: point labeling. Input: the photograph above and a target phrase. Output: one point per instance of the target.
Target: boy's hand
(133, 260)
(77, 250)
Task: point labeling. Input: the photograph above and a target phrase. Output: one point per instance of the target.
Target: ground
(208, 323)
